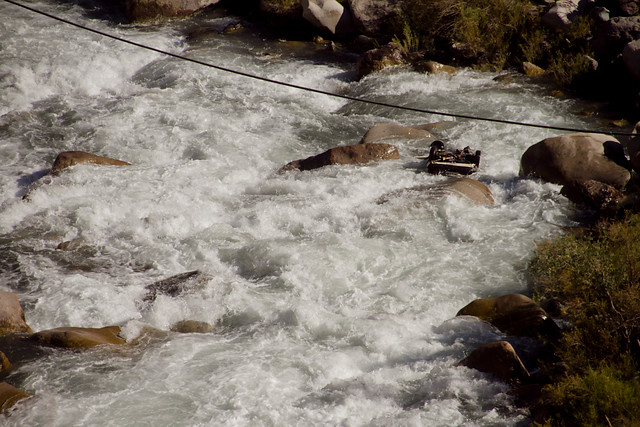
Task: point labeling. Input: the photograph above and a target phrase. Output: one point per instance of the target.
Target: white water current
(328, 307)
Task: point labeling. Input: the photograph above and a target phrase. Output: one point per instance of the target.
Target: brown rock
(346, 155)
(468, 188)
(433, 67)
(70, 158)
(11, 315)
(513, 314)
(531, 69)
(498, 359)
(141, 10)
(191, 327)
(70, 337)
(578, 156)
(5, 364)
(9, 396)
(389, 55)
(595, 195)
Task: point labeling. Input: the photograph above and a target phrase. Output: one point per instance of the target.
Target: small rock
(346, 155)
(531, 69)
(70, 158)
(177, 285)
(433, 67)
(498, 359)
(191, 327)
(389, 55)
(595, 195)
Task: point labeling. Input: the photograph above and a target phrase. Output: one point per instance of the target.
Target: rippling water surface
(328, 307)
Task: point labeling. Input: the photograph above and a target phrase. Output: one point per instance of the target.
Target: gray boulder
(563, 14)
(610, 37)
(631, 58)
(328, 15)
(141, 10)
(578, 156)
(375, 17)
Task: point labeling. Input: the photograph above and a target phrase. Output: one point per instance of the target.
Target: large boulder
(498, 359)
(346, 155)
(513, 314)
(631, 59)
(9, 396)
(70, 158)
(141, 10)
(610, 37)
(328, 15)
(375, 17)
(11, 315)
(467, 188)
(70, 337)
(563, 14)
(578, 156)
(389, 55)
(382, 131)
(595, 195)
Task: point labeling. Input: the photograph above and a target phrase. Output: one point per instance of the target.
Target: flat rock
(71, 337)
(70, 158)
(346, 155)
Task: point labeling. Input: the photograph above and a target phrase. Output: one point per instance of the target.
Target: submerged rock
(470, 189)
(513, 314)
(498, 359)
(176, 285)
(192, 327)
(71, 337)
(346, 155)
(578, 156)
(11, 315)
(10, 395)
(70, 158)
(382, 131)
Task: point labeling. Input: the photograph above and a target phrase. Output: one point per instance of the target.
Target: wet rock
(629, 7)
(71, 337)
(389, 55)
(498, 359)
(11, 315)
(375, 17)
(382, 131)
(20, 349)
(578, 156)
(468, 188)
(594, 195)
(328, 15)
(141, 10)
(191, 327)
(10, 395)
(433, 67)
(177, 285)
(70, 158)
(513, 314)
(346, 155)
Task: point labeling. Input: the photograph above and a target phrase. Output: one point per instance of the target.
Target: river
(328, 307)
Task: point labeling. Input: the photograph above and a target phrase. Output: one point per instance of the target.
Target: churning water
(329, 307)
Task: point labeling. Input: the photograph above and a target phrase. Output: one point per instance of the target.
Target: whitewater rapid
(329, 307)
